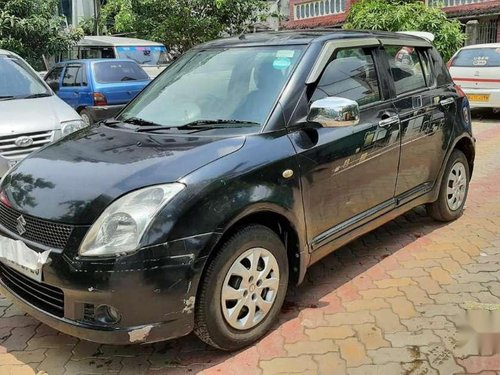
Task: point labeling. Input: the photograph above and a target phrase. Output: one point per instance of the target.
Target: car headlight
(121, 226)
(69, 127)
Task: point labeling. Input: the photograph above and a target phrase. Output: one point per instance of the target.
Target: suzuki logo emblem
(24, 141)
(21, 225)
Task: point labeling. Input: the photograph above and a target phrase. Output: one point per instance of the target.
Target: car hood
(73, 180)
(21, 116)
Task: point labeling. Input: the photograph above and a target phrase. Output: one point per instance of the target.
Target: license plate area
(20, 257)
(481, 98)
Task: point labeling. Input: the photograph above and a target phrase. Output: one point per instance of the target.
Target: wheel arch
(464, 143)
(280, 223)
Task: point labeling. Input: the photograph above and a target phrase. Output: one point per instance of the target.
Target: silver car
(31, 115)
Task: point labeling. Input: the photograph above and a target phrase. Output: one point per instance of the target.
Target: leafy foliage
(31, 29)
(182, 23)
(407, 15)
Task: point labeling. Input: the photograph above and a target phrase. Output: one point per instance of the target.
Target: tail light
(449, 64)
(465, 106)
(99, 99)
(460, 92)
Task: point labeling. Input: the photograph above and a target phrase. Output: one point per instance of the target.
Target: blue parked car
(97, 88)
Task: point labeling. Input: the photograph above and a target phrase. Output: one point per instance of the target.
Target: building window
(453, 3)
(319, 8)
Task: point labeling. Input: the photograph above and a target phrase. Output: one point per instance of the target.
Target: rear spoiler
(421, 34)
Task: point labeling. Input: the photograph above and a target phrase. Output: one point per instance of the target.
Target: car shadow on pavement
(188, 354)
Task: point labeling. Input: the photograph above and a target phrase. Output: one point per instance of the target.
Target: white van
(151, 56)
(32, 115)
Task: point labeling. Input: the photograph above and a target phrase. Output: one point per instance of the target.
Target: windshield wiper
(141, 122)
(201, 123)
(6, 97)
(33, 96)
(146, 126)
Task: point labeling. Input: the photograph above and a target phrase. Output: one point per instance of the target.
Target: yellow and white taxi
(476, 69)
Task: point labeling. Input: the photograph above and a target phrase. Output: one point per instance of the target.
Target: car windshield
(118, 71)
(152, 55)
(219, 85)
(477, 57)
(18, 81)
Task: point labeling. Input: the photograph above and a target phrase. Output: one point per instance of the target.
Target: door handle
(388, 121)
(447, 102)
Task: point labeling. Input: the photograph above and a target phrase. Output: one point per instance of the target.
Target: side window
(81, 77)
(53, 78)
(351, 75)
(406, 68)
(70, 75)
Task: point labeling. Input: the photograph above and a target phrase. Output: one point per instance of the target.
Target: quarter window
(406, 68)
(351, 75)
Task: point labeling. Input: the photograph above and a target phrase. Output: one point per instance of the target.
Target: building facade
(77, 10)
(333, 13)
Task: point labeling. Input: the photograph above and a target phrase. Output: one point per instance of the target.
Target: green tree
(117, 16)
(408, 15)
(182, 23)
(32, 29)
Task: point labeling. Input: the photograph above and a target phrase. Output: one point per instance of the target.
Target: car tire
(86, 116)
(259, 291)
(453, 191)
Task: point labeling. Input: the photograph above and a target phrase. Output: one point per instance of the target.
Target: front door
(348, 173)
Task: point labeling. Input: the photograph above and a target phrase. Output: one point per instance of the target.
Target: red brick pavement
(392, 302)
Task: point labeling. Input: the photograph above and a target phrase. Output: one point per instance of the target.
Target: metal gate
(487, 32)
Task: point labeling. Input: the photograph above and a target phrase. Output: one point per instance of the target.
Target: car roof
(486, 45)
(115, 41)
(89, 61)
(308, 36)
(9, 53)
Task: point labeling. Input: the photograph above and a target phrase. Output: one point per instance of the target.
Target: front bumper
(104, 112)
(155, 297)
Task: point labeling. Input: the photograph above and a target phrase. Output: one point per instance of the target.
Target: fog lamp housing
(107, 315)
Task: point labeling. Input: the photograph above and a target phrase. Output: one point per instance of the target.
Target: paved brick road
(389, 303)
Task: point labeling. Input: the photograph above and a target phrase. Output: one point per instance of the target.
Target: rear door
(74, 85)
(119, 81)
(426, 113)
(477, 71)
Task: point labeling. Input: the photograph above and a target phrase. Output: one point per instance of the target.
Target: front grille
(10, 150)
(46, 297)
(39, 231)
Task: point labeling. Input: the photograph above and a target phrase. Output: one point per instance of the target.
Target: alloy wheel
(456, 186)
(250, 288)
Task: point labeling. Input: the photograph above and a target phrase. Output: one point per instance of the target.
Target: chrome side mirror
(334, 112)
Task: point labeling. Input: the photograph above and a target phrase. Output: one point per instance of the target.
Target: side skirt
(338, 242)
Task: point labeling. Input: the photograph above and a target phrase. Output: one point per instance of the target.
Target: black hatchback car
(242, 164)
